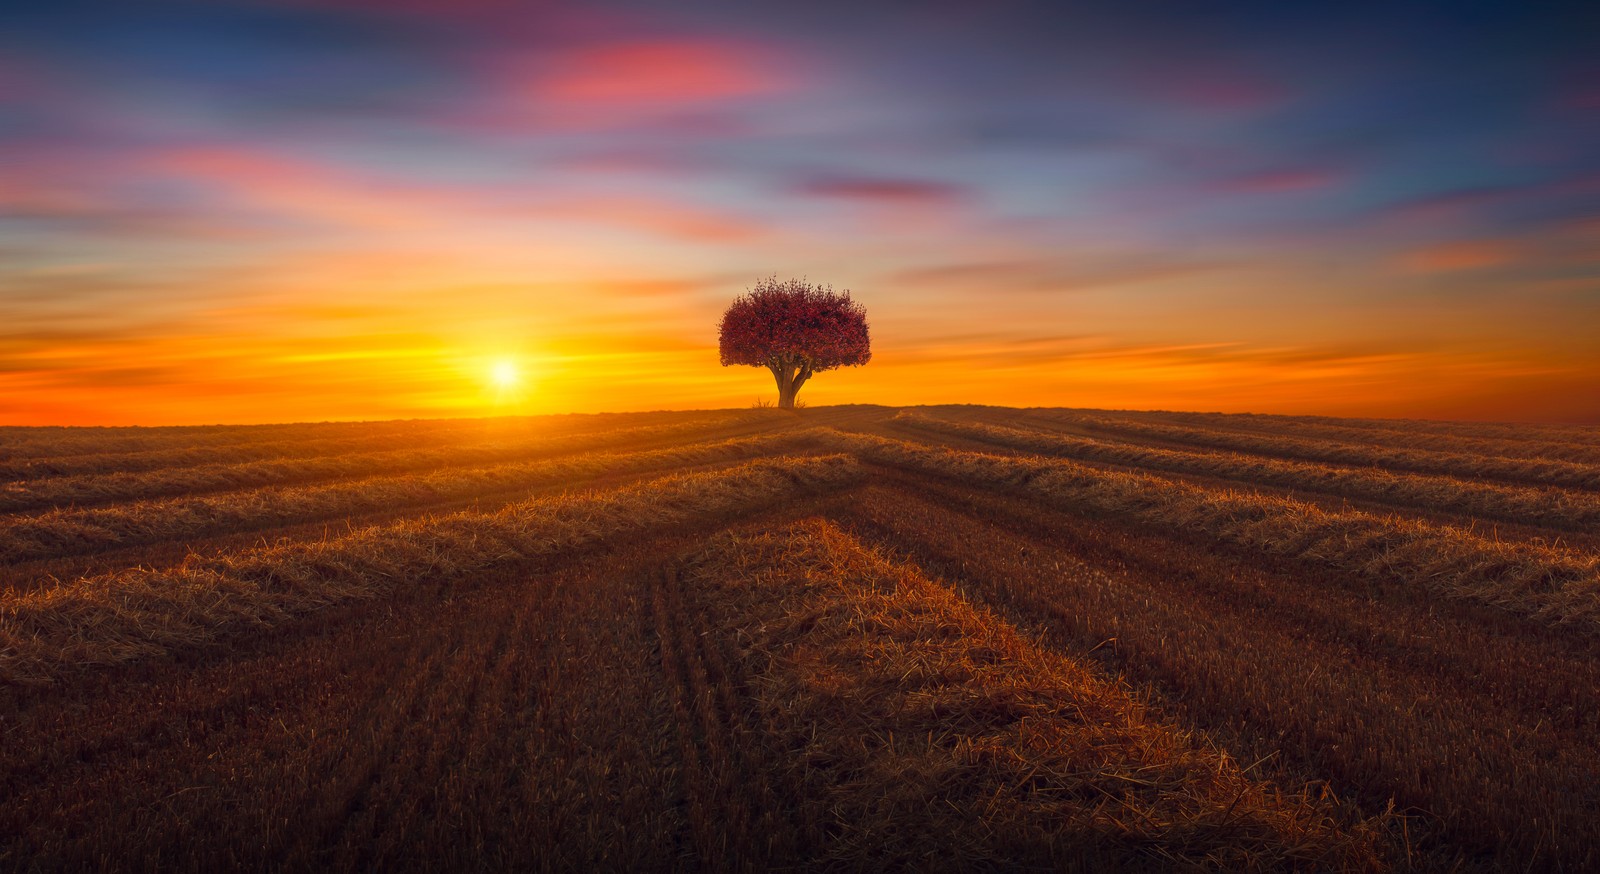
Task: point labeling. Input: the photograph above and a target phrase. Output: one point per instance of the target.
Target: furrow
(1521, 471)
(1550, 507)
(63, 533)
(1549, 585)
(139, 612)
(1474, 718)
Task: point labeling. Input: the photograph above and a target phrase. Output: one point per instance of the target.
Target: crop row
(104, 488)
(1526, 432)
(44, 444)
(141, 612)
(924, 732)
(1550, 447)
(1552, 585)
(102, 463)
(1535, 506)
(510, 722)
(1482, 721)
(68, 532)
(185, 457)
(1526, 471)
(22, 442)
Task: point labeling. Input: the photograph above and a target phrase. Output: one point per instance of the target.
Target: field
(848, 638)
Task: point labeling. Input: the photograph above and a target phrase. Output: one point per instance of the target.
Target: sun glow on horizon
(505, 374)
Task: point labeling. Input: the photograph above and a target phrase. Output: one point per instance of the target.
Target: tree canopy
(796, 330)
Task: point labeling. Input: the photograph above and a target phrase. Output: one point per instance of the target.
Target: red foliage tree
(796, 330)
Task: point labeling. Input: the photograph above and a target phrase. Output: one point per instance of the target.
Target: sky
(221, 211)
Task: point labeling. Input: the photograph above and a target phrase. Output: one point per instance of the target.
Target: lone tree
(796, 330)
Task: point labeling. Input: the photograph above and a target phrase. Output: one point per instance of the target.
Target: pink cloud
(308, 190)
(661, 218)
(334, 196)
(650, 73)
(677, 86)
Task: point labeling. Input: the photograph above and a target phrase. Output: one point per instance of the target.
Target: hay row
(60, 533)
(927, 734)
(1523, 471)
(51, 442)
(139, 613)
(1525, 432)
(22, 471)
(1550, 585)
(1552, 507)
(105, 488)
(1528, 446)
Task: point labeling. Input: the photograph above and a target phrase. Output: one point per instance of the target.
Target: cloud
(1556, 197)
(675, 85)
(299, 189)
(638, 160)
(1213, 85)
(1282, 181)
(661, 218)
(895, 191)
(648, 73)
(1460, 256)
(1085, 273)
(1454, 204)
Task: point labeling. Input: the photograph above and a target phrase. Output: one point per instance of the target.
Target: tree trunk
(786, 387)
(789, 376)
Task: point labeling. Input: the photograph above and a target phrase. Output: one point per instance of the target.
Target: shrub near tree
(795, 330)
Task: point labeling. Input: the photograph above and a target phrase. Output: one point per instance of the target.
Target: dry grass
(286, 467)
(1550, 507)
(1551, 585)
(51, 443)
(929, 735)
(1482, 721)
(1538, 444)
(165, 455)
(511, 720)
(70, 532)
(169, 454)
(1526, 432)
(20, 442)
(548, 684)
(140, 613)
(1526, 471)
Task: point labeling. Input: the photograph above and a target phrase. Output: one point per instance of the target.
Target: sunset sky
(243, 212)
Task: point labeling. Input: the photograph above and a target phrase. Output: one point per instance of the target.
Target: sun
(505, 374)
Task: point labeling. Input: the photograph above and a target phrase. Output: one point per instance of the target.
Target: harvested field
(1550, 507)
(851, 638)
(1564, 445)
(1519, 471)
(75, 532)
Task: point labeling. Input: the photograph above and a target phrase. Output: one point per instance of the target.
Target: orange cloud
(1458, 256)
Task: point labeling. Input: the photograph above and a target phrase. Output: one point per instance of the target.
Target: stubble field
(941, 638)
